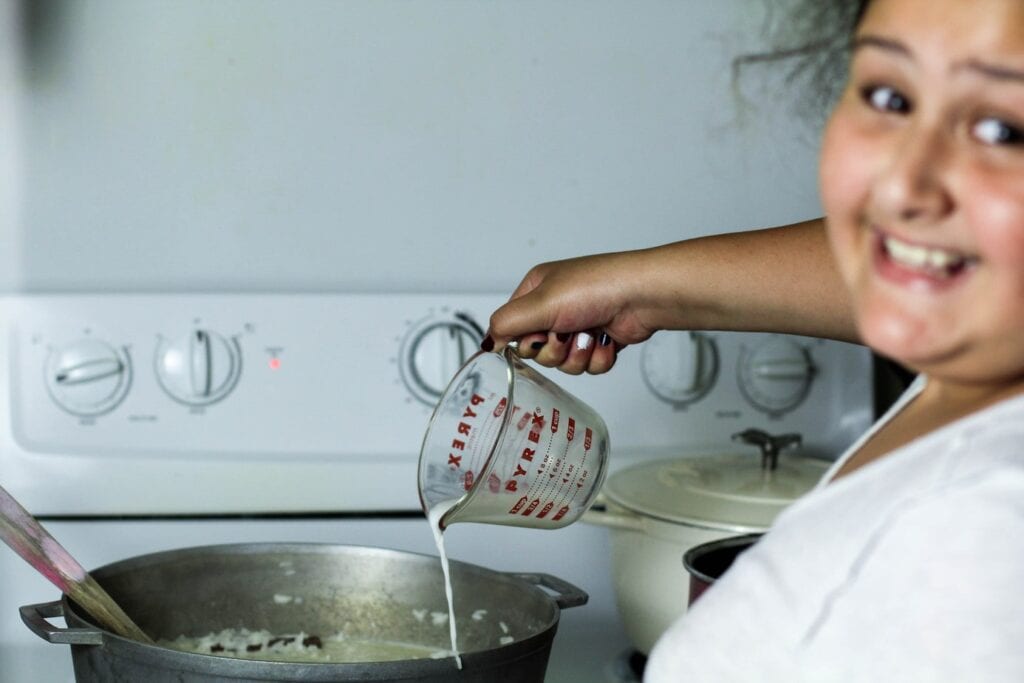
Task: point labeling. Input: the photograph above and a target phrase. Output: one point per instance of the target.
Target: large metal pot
(659, 510)
(318, 589)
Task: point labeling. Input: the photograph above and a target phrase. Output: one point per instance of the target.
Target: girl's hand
(577, 314)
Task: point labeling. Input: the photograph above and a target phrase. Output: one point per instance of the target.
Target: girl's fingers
(531, 344)
(555, 350)
(604, 355)
(581, 347)
(593, 351)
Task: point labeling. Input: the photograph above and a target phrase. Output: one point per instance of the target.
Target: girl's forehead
(984, 27)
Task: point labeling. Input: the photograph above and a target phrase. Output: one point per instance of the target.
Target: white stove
(137, 423)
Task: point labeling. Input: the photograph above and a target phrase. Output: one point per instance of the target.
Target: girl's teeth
(922, 258)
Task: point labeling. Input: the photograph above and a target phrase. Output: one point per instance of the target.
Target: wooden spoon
(28, 538)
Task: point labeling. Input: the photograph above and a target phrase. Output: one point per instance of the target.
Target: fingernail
(537, 345)
(583, 341)
(563, 336)
(604, 339)
(487, 344)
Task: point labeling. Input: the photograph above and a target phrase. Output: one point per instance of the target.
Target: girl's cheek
(843, 178)
(998, 218)
(829, 172)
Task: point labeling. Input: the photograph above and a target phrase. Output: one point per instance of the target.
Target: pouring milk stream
(506, 445)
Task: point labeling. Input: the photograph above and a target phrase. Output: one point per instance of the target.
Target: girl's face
(922, 179)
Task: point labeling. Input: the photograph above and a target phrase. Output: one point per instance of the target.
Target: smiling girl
(905, 563)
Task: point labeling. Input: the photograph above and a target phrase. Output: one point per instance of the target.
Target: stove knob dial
(433, 351)
(775, 375)
(200, 368)
(680, 367)
(88, 377)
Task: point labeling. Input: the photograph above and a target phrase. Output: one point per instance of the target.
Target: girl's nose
(912, 185)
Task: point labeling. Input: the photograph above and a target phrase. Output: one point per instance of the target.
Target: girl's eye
(993, 131)
(885, 99)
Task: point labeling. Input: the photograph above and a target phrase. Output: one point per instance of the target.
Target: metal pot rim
(698, 551)
(315, 671)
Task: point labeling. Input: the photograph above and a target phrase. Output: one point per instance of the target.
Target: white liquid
(434, 516)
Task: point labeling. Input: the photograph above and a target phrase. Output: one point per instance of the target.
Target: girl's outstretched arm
(576, 314)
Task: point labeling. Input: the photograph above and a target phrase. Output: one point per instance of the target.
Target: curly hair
(812, 39)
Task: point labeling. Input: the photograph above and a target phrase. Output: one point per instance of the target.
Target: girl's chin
(901, 339)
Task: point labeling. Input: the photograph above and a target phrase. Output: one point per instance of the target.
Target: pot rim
(312, 671)
(700, 550)
(642, 488)
(684, 521)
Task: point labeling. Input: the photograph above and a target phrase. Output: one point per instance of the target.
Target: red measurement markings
(584, 474)
(574, 472)
(548, 488)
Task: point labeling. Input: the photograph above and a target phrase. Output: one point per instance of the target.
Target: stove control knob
(775, 375)
(680, 367)
(200, 368)
(434, 350)
(88, 377)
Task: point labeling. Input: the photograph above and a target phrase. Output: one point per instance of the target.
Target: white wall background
(376, 145)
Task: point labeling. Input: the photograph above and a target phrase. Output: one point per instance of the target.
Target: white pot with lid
(658, 510)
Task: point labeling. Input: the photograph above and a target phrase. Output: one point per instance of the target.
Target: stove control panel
(166, 404)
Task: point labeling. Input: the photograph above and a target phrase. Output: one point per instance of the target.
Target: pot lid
(723, 490)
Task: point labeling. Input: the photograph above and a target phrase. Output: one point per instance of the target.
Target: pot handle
(602, 516)
(567, 596)
(35, 617)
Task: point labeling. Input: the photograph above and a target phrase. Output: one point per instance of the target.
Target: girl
(905, 563)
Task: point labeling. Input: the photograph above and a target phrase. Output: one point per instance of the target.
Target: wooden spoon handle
(27, 537)
(98, 603)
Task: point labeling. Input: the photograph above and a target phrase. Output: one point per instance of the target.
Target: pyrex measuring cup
(506, 445)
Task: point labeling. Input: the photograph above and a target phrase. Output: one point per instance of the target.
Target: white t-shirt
(911, 568)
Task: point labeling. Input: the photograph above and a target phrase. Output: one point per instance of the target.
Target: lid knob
(770, 445)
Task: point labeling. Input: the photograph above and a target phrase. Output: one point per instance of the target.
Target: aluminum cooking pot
(324, 590)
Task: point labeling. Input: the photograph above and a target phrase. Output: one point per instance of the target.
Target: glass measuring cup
(506, 445)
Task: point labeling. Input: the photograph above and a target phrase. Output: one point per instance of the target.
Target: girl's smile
(910, 263)
(922, 179)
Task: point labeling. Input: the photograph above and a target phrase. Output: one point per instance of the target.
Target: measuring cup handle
(35, 617)
(567, 596)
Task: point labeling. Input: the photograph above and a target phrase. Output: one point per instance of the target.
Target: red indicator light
(275, 363)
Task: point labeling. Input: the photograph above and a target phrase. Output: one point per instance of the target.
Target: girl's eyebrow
(976, 66)
(994, 71)
(887, 44)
